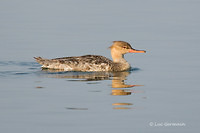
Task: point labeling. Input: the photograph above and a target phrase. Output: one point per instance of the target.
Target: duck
(93, 63)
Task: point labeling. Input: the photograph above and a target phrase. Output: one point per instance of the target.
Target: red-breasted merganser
(91, 63)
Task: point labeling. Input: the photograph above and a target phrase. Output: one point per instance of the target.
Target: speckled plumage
(78, 63)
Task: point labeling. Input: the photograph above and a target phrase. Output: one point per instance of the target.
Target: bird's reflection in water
(122, 105)
(120, 88)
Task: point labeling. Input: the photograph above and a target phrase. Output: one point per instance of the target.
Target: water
(161, 89)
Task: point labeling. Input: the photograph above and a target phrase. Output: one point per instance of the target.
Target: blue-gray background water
(33, 101)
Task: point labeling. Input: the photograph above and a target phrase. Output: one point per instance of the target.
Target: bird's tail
(42, 61)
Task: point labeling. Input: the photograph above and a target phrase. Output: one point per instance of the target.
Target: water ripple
(15, 68)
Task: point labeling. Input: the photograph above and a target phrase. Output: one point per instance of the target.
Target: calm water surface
(159, 94)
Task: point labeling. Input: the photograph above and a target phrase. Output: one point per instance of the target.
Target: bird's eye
(124, 47)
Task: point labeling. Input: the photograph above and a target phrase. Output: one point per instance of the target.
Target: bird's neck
(117, 56)
(120, 63)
